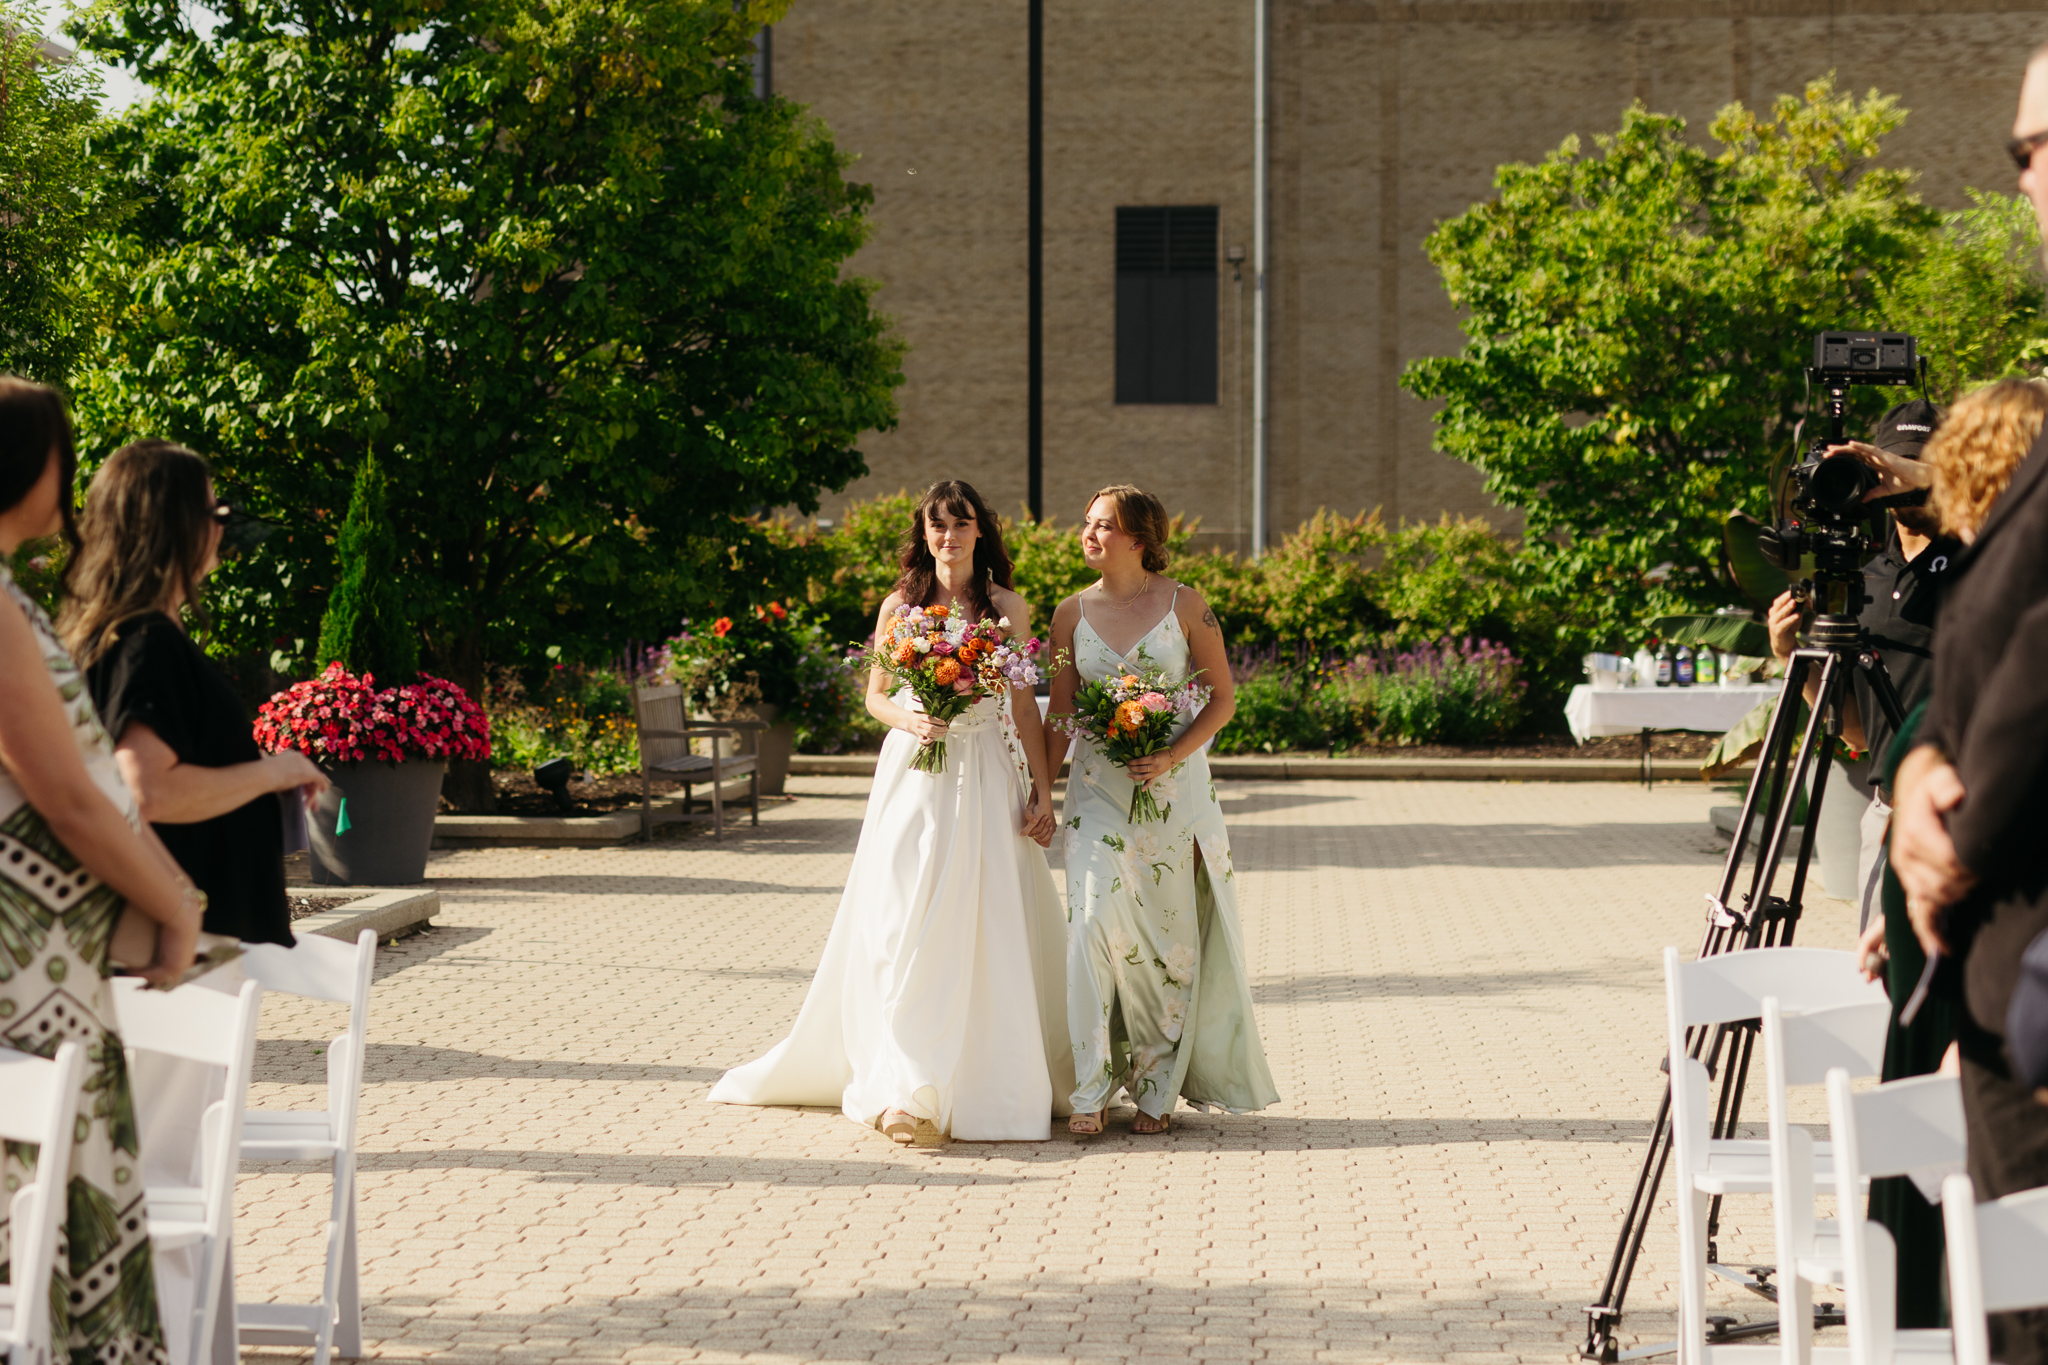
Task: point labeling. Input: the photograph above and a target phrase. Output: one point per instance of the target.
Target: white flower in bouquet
(921, 644)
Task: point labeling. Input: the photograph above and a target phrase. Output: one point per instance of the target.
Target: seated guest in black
(151, 533)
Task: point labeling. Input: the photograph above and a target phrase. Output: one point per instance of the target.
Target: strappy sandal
(1087, 1125)
(1163, 1123)
(899, 1125)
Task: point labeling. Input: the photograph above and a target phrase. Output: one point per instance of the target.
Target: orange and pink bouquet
(948, 663)
(1133, 715)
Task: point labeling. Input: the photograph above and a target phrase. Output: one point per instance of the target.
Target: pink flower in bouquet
(941, 647)
(963, 684)
(1154, 701)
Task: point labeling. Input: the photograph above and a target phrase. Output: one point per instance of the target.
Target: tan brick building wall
(1385, 120)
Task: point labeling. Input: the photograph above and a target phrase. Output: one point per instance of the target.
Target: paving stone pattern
(1457, 984)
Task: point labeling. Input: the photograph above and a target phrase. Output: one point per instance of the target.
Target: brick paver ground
(1458, 988)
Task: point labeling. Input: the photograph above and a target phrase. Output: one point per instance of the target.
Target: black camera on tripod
(1828, 521)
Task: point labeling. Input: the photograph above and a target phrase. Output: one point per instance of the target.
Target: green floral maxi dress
(1157, 996)
(55, 926)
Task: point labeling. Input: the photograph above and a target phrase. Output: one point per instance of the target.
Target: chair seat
(277, 1324)
(678, 767)
(288, 1135)
(177, 1215)
(1821, 1262)
(1743, 1166)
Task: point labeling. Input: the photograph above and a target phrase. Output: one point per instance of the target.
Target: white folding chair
(1912, 1127)
(1806, 1049)
(1730, 988)
(1997, 1260)
(319, 969)
(220, 1030)
(42, 1107)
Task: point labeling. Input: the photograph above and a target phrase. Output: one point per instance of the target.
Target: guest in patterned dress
(71, 859)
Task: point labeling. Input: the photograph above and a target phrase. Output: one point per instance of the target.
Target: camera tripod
(1765, 920)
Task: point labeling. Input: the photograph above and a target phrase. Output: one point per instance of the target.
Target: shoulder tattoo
(1209, 618)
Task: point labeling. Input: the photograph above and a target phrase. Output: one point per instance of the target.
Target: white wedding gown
(942, 989)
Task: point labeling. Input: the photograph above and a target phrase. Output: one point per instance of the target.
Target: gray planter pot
(391, 823)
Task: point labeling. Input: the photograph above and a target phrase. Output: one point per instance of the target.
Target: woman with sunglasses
(151, 534)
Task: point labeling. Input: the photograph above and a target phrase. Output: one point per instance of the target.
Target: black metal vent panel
(1172, 240)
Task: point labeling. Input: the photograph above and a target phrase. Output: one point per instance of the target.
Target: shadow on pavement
(677, 1172)
(1366, 987)
(1393, 847)
(622, 884)
(294, 1060)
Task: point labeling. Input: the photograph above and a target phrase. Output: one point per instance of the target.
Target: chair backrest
(1731, 986)
(321, 968)
(1900, 1127)
(660, 708)
(1997, 1260)
(42, 1107)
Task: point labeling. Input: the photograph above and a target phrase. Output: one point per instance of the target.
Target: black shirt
(1900, 619)
(154, 674)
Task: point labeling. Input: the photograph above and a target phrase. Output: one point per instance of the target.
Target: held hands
(1038, 820)
(1151, 767)
(1895, 473)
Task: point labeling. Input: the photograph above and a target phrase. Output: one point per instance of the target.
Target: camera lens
(1838, 483)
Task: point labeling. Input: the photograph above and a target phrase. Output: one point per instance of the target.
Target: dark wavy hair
(33, 425)
(148, 525)
(920, 576)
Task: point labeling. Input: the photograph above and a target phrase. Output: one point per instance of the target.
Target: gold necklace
(1102, 588)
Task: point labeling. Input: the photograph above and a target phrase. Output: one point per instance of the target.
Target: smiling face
(1102, 544)
(2031, 119)
(950, 534)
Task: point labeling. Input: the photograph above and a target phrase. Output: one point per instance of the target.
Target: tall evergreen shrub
(365, 627)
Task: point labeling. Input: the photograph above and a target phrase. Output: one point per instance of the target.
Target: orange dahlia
(906, 653)
(947, 672)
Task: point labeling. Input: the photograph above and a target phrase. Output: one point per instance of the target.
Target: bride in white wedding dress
(941, 995)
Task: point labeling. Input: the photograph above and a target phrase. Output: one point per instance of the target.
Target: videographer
(1904, 585)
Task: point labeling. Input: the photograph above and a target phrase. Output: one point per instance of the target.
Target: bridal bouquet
(1132, 715)
(948, 663)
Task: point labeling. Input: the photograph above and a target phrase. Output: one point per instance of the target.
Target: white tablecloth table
(1641, 710)
(1631, 710)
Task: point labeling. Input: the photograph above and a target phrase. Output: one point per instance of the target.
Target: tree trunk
(468, 784)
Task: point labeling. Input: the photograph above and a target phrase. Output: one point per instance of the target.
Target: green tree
(1640, 322)
(365, 628)
(551, 260)
(1974, 298)
(51, 192)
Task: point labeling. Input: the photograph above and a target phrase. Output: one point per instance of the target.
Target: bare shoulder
(1067, 613)
(1194, 610)
(1011, 604)
(890, 603)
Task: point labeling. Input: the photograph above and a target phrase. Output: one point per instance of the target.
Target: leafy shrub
(584, 713)
(1447, 693)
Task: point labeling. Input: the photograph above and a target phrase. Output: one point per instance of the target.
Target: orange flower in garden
(946, 672)
(906, 653)
(937, 613)
(1131, 715)
(778, 609)
(721, 626)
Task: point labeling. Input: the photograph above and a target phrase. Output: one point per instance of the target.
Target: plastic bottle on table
(1646, 668)
(1706, 668)
(1665, 664)
(1683, 671)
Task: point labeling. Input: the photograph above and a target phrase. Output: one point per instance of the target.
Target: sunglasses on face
(2022, 149)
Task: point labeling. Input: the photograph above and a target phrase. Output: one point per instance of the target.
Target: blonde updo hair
(1978, 446)
(1140, 515)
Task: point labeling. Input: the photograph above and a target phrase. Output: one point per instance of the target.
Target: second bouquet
(1133, 715)
(949, 663)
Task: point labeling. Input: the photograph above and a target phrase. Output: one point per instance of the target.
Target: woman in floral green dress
(71, 858)
(1158, 1000)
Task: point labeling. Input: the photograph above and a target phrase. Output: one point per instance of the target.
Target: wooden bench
(665, 751)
